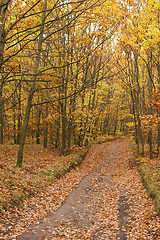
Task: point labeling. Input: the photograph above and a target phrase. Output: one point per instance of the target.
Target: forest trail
(108, 203)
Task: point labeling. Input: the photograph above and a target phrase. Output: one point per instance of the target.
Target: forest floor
(103, 198)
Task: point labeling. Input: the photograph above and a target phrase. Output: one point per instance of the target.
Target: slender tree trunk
(150, 111)
(45, 143)
(1, 117)
(3, 12)
(158, 141)
(14, 121)
(38, 126)
(58, 123)
(64, 128)
(19, 114)
(158, 70)
(51, 139)
(158, 138)
(58, 126)
(29, 103)
(137, 104)
(116, 121)
(64, 101)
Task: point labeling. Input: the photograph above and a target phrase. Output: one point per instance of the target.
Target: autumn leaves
(75, 70)
(54, 73)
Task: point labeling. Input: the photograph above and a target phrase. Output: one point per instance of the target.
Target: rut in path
(109, 203)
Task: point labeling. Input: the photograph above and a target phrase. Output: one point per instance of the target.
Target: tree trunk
(19, 114)
(150, 110)
(45, 143)
(3, 11)
(14, 121)
(29, 103)
(23, 134)
(1, 117)
(38, 126)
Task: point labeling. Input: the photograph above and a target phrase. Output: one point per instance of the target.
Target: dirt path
(108, 203)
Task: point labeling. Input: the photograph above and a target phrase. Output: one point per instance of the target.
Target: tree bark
(32, 90)
(19, 114)
(3, 12)
(45, 142)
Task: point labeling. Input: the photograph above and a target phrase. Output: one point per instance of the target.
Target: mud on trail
(106, 201)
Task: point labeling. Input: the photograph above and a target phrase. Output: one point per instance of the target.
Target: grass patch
(150, 174)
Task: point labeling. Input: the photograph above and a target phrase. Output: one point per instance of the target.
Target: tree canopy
(73, 70)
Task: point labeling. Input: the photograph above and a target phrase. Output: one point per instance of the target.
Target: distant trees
(139, 43)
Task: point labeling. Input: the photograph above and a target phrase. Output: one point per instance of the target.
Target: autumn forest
(75, 71)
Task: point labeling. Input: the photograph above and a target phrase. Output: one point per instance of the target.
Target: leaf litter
(103, 198)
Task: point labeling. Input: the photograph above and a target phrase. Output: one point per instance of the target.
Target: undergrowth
(16, 184)
(150, 174)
